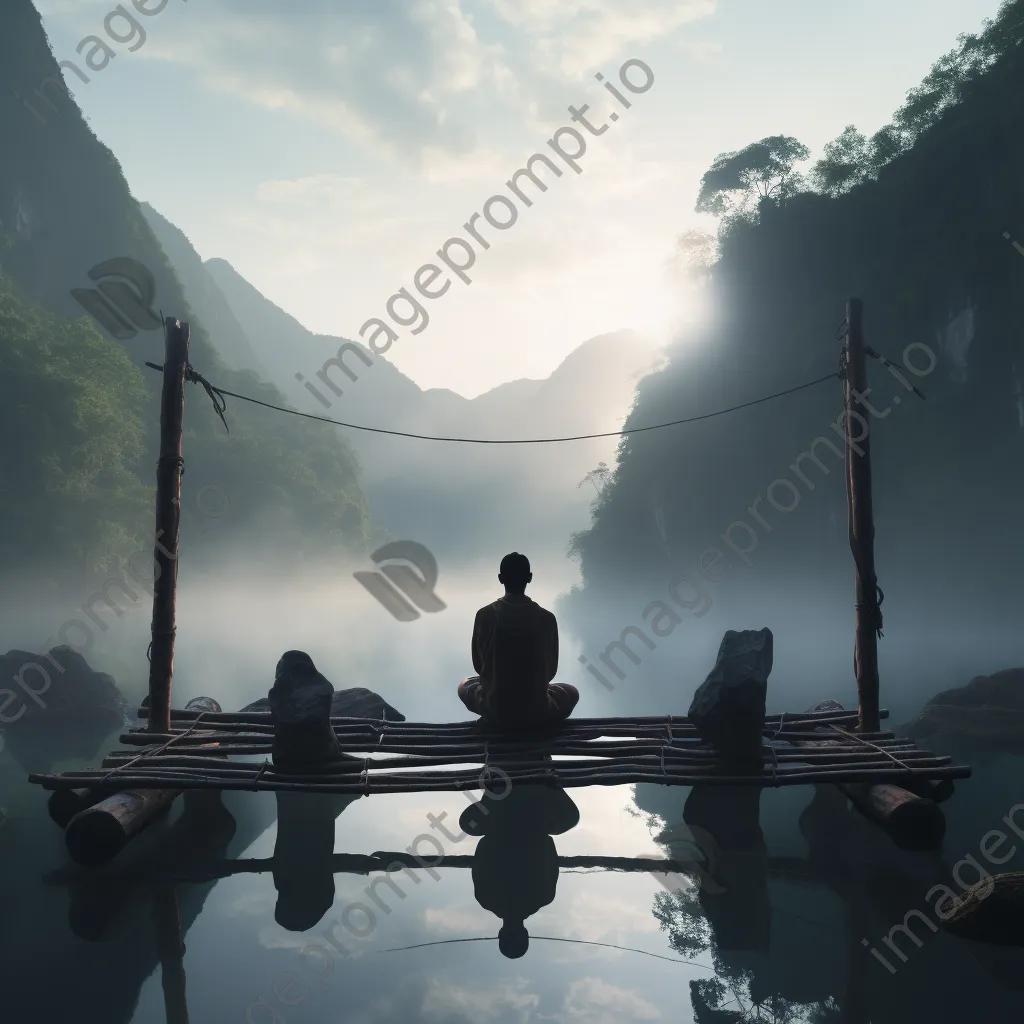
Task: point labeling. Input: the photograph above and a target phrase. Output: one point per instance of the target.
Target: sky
(329, 149)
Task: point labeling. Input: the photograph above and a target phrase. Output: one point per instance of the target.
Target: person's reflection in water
(303, 874)
(515, 867)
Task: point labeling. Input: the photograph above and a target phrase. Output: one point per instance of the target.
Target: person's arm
(478, 660)
(553, 648)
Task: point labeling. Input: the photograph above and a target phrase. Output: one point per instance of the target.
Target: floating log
(937, 790)
(64, 804)
(913, 822)
(991, 911)
(99, 833)
(101, 829)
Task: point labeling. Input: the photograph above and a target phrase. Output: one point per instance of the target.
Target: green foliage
(70, 411)
(921, 245)
(736, 180)
(64, 207)
(763, 170)
(597, 477)
(846, 163)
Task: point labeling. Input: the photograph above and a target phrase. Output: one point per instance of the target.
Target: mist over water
(235, 623)
(645, 312)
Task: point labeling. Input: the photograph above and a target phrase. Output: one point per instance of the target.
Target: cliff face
(923, 246)
(64, 208)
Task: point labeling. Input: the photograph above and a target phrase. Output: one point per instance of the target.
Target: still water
(791, 928)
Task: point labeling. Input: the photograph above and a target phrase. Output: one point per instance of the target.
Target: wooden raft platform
(222, 750)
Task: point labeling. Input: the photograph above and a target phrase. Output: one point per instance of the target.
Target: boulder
(53, 714)
(984, 717)
(990, 911)
(356, 702)
(729, 706)
(300, 706)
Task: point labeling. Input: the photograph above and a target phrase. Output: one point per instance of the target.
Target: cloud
(421, 82)
(575, 35)
(593, 1001)
(431, 1002)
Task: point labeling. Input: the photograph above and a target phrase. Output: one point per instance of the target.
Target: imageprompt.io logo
(122, 301)
(406, 580)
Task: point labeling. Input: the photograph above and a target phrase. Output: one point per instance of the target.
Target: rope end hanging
(220, 403)
(892, 368)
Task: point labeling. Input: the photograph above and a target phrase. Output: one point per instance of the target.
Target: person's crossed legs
(562, 699)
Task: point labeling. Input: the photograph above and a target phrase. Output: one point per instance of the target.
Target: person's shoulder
(543, 612)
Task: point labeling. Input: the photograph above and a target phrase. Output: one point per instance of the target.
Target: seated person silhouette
(515, 867)
(515, 652)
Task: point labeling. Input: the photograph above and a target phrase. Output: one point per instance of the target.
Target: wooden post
(172, 952)
(862, 527)
(168, 515)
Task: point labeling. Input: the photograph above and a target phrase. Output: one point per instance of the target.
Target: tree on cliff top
(846, 163)
(763, 170)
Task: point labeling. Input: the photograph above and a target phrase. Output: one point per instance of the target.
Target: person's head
(514, 573)
(513, 939)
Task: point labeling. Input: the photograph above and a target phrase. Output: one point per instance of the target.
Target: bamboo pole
(862, 527)
(679, 725)
(837, 755)
(565, 776)
(427, 744)
(168, 515)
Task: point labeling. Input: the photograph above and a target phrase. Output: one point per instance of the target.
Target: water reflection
(303, 869)
(515, 867)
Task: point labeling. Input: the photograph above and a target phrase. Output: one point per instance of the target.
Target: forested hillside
(64, 208)
(912, 221)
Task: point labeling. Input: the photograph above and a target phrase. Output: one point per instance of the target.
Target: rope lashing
(220, 403)
(193, 376)
(154, 753)
(774, 765)
(263, 768)
(172, 633)
(177, 459)
(874, 746)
